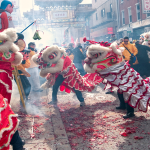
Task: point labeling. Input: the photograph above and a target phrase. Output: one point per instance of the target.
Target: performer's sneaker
(22, 149)
(23, 142)
(82, 104)
(109, 92)
(53, 103)
(129, 115)
(120, 108)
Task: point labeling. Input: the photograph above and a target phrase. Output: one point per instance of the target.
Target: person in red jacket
(5, 15)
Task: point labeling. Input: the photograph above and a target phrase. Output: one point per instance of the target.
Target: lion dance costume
(60, 71)
(9, 55)
(106, 60)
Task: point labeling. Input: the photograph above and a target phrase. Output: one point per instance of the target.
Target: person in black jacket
(143, 66)
(78, 58)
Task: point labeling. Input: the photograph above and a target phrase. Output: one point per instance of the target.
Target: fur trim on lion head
(48, 56)
(117, 50)
(52, 54)
(145, 37)
(18, 59)
(12, 35)
(7, 38)
(7, 45)
(97, 52)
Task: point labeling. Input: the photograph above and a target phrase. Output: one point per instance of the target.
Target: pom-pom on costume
(55, 64)
(108, 63)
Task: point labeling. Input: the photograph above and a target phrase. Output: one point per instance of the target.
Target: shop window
(129, 14)
(123, 18)
(103, 12)
(138, 13)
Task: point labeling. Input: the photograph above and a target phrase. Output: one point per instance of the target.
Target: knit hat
(5, 3)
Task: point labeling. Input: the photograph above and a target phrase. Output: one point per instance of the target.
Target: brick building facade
(131, 20)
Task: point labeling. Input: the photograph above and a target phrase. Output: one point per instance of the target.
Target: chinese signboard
(146, 6)
(59, 14)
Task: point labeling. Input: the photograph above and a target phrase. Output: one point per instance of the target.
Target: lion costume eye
(96, 55)
(2, 42)
(53, 55)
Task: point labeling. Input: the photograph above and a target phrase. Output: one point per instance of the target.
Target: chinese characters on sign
(60, 14)
(146, 6)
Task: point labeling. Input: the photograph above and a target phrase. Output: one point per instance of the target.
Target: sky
(26, 5)
(87, 2)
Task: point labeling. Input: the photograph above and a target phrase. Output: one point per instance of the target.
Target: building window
(123, 18)
(130, 14)
(138, 14)
(96, 17)
(110, 7)
(148, 15)
(121, 1)
(103, 12)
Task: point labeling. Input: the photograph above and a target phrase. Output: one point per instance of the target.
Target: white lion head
(52, 54)
(7, 39)
(7, 45)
